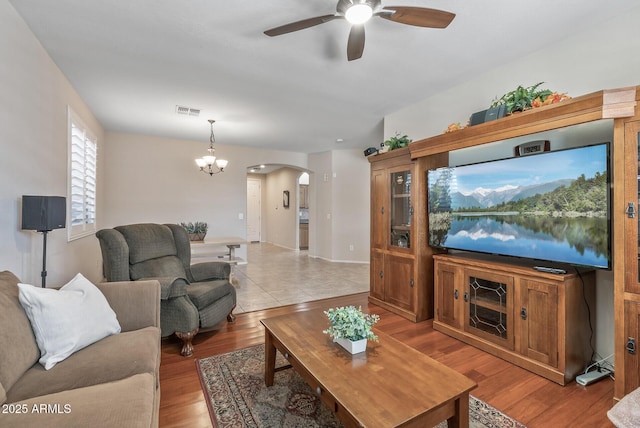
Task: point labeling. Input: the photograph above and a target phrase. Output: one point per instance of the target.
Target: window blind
(83, 155)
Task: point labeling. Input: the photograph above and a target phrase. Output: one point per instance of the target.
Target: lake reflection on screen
(578, 240)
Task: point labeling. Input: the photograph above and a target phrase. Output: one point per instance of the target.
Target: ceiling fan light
(359, 14)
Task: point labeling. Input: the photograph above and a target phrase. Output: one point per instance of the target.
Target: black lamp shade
(43, 213)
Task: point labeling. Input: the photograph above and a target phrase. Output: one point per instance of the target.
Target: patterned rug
(233, 385)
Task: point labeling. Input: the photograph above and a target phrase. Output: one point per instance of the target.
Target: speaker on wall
(43, 213)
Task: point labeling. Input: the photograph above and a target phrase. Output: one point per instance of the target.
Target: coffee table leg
(269, 359)
(461, 418)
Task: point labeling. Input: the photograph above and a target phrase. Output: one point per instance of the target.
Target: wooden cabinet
(401, 267)
(304, 196)
(618, 109)
(304, 236)
(399, 285)
(631, 352)
(538, 306)
(447, 295)
(627, 301)
(539, 321)
(392, 280)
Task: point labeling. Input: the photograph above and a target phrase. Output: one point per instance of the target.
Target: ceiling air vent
(188, 111)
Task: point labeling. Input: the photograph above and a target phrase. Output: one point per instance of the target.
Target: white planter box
(353, 347)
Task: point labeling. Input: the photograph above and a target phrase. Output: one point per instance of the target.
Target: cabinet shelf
(401, 227)
(401, 195)
(488, 304)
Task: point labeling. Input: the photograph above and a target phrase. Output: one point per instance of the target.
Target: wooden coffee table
(389, 385)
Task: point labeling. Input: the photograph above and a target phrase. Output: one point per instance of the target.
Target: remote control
(550, 270)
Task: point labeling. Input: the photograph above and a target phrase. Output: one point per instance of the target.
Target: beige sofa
(111, 383)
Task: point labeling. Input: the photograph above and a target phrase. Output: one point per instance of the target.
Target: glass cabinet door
(401, 209)
(488, 300)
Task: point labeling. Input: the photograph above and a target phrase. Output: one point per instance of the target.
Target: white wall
(141, 178)
(33, 157)
(153, 179)
(321, 207)
(603, 57)
(282, 223)
(351, 206)
(339, 215)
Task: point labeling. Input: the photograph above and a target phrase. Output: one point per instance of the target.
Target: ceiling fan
(357, 12)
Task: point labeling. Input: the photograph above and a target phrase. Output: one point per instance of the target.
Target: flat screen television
(552, 206)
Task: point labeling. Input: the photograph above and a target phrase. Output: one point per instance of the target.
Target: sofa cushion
(127, 402)
(148, 241)
(17, 342)
(68, 319)
(112, 358)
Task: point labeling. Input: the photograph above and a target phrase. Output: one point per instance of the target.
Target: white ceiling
(134, 61)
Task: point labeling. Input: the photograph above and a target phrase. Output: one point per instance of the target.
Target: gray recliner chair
(193, 297)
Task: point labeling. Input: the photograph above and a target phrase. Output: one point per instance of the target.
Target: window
(81, 200)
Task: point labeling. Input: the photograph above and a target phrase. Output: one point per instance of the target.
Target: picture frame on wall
(285, 199)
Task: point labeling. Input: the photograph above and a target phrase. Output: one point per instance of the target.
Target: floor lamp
(43, 214)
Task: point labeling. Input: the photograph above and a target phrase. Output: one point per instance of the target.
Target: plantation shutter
(83, 151)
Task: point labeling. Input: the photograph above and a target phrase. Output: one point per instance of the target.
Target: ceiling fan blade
(301, 25)
(355, 46)
(418, 16)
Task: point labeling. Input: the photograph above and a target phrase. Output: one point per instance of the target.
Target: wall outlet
(240, 216)
(350, 247)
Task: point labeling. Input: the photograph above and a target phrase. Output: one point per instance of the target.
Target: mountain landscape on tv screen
(487, 198)
(551, 207)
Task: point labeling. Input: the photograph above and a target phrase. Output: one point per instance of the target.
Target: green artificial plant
(521, 98)
(197, 227)
(397, 142)
(350, 323)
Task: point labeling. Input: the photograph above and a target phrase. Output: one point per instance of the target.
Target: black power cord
(586, 303)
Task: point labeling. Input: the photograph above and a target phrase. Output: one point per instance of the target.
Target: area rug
(233, 386)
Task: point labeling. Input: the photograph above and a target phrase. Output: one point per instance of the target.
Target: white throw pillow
(67, 320)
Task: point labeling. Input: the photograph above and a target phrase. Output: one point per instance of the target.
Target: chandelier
(209, 164)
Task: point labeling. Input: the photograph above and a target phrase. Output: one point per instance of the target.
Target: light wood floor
(276, 276)
(522, 395)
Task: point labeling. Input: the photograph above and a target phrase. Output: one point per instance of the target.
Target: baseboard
(340, 261)
(281, 246)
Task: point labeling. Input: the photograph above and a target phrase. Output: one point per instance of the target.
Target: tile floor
(276, 276)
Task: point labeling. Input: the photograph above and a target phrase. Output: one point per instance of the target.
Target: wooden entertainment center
(536, 320)
(402, 263)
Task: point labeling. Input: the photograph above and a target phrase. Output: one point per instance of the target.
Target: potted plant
(197, 231)
(521, 98)
(397, 142)
(351, 328)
